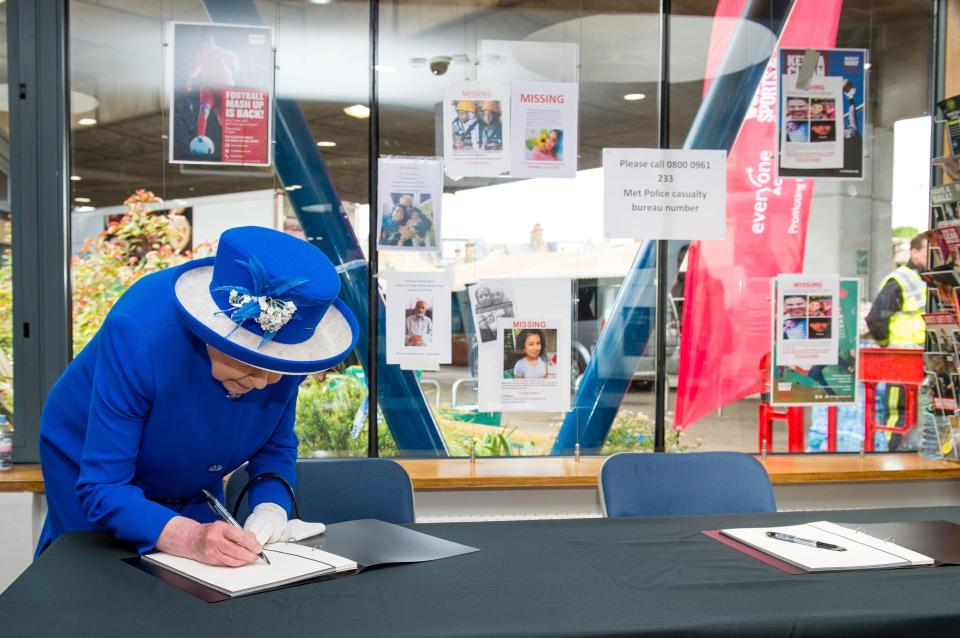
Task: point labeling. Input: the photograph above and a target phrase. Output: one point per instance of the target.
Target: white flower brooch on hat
(262, 303)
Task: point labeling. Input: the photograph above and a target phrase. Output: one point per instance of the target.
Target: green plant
(633, 432)
(326, 410)
(143, 240)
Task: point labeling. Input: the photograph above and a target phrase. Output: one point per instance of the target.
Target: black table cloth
(586, 577)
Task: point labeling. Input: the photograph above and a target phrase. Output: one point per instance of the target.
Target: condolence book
(289, 563)
(823, 546)
(344, 549)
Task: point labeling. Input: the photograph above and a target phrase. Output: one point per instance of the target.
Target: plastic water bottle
(6, 444)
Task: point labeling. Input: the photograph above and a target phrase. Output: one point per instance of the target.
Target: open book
(289, 563)
(859, 550)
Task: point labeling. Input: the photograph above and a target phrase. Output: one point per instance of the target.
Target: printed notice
(821, 124)
(824, 384)
(410, 191)
(221, 102)
(523, 328)
(476, 121)
(664, 194)
(544, 129)
(807, 320)
(418, 318)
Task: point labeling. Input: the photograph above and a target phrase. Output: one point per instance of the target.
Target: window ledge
(547, 472)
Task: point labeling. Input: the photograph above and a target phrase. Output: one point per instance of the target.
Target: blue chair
(334, 490)
(645, 484)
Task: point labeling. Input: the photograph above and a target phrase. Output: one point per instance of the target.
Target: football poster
(221, 97)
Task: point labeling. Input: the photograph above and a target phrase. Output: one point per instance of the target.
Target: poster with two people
(221, 98)
(821, 114)
(527, 129)
(409, 198)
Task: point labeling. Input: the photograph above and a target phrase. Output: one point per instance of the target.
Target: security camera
(439, 64)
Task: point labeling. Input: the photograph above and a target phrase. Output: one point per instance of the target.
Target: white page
(915, 558)
(289, 562)
(856, 556)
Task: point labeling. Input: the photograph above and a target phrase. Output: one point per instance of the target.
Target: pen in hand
(224, 515)
(805, 541)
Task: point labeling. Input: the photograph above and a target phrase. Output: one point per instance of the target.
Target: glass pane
(6, 252)
(855, 228)
(510, 239)
(134, 212)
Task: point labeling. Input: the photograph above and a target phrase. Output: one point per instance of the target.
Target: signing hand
(215, 543)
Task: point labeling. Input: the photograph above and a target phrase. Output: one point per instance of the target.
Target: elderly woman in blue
(194, 372)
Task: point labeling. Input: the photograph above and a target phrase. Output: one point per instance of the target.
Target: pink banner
(725, 336)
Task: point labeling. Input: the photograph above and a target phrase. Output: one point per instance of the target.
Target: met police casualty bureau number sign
(653, 193)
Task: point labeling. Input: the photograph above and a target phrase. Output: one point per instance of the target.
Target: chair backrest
(645, 484)
(334, 490)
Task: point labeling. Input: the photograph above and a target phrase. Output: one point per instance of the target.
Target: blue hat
(269, 300)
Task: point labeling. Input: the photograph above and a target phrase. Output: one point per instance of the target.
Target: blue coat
(136, 426)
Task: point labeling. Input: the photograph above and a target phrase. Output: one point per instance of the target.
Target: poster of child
(529, 353)
(406, 221)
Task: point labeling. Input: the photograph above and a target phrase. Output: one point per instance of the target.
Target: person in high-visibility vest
(896, 319)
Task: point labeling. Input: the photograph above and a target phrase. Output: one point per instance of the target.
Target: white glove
(267, 521)
(298, 530)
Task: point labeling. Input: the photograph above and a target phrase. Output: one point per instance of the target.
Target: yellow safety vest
(907, 327)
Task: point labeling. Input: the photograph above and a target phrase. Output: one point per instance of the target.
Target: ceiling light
(359, 111)
(293, 187)
(75, 178)
(633, 97)
(384, 68)
(866, 66)
(83, 209)
(320, 1)
(82, 200)
(326, 144)
(86, 121)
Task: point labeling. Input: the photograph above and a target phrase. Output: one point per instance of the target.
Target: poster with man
(824, 384)
(221, 99)
(418, 319)
(476, 125)
(821, 113)
(807, 312)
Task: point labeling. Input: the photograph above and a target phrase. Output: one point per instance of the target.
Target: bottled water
(6, 444)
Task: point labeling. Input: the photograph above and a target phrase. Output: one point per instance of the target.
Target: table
(584, 577)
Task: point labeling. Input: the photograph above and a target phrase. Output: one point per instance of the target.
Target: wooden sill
(547, 472)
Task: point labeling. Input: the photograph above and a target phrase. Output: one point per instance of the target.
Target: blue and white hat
(269, 300)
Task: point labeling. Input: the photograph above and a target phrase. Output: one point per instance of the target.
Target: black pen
(805, 541)
(224, 515)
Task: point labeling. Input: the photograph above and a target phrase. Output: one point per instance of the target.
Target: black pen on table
(780, 536)
(224, 515)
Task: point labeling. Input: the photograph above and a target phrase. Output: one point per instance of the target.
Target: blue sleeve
(121, 397)
(278, 455)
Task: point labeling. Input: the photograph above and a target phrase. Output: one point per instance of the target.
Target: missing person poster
(544, 135)
(821, 122)
(525, 367)
(418, 318)
(410, 192)
(221, 101)
(807, 320)
(476, 128)
(530, 363)
(824, 384)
